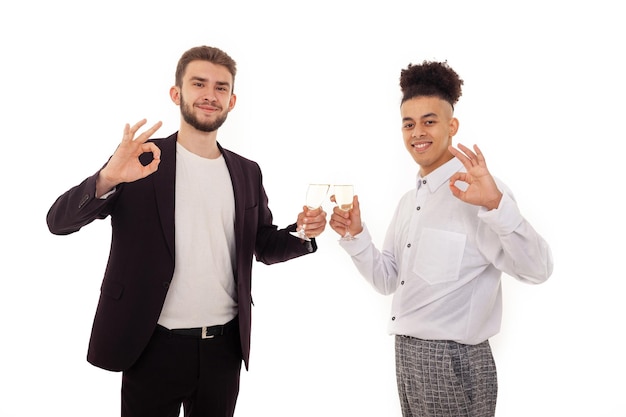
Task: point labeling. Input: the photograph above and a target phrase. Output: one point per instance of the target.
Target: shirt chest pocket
(438, 256)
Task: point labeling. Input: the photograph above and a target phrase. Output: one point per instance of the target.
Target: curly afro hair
(430, 79)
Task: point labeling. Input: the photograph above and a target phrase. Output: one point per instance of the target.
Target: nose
(418, 131)
(210, 98)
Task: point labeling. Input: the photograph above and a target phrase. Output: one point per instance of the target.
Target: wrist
(104, 184)
(493, 203)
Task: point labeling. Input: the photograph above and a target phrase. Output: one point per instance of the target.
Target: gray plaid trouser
(439, 378)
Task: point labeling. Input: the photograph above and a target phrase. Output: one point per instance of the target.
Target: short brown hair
(434, 79)
(205, 53)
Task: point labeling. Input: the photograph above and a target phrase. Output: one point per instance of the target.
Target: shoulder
(164, 143)
(408, 197)
(234, 158)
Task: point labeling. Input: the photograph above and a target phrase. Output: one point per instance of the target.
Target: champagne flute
(315, 195)
(344, 195)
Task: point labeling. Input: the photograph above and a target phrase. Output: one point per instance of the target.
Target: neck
(425, 170)
(203, 144)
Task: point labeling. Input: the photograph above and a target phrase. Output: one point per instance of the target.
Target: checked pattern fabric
(439, 378)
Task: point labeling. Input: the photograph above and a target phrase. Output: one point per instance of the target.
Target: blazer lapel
(237, 178)
(164, 180)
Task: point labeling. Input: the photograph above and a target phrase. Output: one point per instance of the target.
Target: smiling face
(428, 126)
(205, 97)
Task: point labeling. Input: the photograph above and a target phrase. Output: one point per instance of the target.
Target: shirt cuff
(504, 219)
(107, 195)
(357, 245)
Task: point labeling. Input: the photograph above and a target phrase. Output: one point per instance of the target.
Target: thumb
(356, 206)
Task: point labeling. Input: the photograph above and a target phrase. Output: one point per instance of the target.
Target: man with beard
(187, 217)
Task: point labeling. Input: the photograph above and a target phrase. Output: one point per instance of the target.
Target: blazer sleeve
(78, 207)
(275, 245)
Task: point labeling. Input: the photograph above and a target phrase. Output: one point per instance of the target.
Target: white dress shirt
(443, 259)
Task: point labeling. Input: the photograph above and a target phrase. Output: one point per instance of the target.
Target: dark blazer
(141, 260)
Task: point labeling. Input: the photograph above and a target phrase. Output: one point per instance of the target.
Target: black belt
(207, 332)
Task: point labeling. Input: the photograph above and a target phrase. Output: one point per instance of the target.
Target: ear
(175, 95)
(454, 126)
(231, 103)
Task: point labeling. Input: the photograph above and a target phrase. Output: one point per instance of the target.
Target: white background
(318, 101)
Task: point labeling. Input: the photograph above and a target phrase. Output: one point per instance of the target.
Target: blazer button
(83, 201)
(166, 285)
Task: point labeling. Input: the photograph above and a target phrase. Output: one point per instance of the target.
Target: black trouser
(201, 374)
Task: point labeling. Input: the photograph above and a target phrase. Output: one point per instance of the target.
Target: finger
(341, 213)
(456, 191)
(338, 227)
(309, 212)
(151, 148)
(465, 155)
(332, 198)
(459, 176)
(339, 221)
(314, 228)
(320, 219)
(148, 133)
(152, 167)
(467, 151)
(475, 157)
(127, 137)
(136, 127)
(479, 155)
(316, 221)
(356, 206)
(317, 218)
(315, 232)
(459, 155)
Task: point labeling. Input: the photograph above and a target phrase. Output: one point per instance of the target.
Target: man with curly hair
(445, 250)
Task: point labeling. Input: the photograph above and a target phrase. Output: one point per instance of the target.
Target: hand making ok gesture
(482, 189)
(124, 165)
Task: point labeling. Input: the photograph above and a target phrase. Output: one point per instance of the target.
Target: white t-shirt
(203, 290)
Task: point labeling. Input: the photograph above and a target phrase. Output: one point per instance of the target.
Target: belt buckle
(205, 334)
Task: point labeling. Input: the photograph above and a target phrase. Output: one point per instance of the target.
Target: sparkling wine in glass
(344, 195)
(315, 195)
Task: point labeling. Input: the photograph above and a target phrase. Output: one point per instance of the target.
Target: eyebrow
(424, 116)
(204, 80)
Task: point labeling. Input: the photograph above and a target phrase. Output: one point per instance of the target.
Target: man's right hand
(124, 165)
(342, 221)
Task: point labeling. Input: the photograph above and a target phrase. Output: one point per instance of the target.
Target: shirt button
(401, 282)
(393, 318)
(423, 181)
(418, 208)
(408, 245)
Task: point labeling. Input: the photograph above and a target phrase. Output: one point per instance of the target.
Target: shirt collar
(440, 176)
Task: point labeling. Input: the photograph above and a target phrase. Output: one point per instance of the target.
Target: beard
(186, 110)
